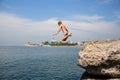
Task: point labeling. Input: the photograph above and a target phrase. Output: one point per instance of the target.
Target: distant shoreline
(54, 43)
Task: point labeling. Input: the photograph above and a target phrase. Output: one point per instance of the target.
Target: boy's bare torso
(63, 28)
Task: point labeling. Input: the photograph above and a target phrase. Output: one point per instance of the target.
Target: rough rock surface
(101, 58)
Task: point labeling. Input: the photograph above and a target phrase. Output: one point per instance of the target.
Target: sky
(35, 21)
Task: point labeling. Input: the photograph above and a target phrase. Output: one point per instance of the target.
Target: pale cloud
(14, 28)
(13, 21)
(17, 30)
(87, 17)
(102, 27)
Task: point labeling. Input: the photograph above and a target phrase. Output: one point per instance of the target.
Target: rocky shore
(101, 58)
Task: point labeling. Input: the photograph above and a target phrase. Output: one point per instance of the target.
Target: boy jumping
(65, 31)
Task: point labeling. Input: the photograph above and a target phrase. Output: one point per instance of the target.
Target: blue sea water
(39, 63)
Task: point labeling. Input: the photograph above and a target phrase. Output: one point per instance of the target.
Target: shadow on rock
(87, 76)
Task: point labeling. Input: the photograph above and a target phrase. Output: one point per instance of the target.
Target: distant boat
(31, 45)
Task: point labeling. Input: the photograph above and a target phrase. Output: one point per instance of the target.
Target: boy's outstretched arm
(58, 31)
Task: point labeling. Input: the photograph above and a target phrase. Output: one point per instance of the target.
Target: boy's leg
(64, 37)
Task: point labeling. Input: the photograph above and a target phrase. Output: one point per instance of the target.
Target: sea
(39, 63)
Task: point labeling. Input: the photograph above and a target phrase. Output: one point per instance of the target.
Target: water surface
(39, 63)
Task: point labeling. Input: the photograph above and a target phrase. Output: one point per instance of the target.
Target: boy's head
(59, 23)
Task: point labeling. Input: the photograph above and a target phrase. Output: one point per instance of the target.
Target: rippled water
(39, 63)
